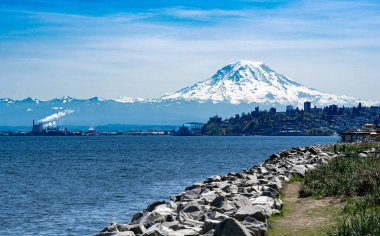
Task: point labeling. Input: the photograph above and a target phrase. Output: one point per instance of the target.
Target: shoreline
(237, 203)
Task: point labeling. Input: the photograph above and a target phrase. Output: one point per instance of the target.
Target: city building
(307, 106)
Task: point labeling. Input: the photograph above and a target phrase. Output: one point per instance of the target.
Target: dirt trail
(304, 216)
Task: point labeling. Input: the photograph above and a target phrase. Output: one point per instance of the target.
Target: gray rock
(231, 188)
(363, 155)
(135, 228)
(125, 233)
(240, 201)
(230, 227)
(219, 201)
(274, 156)
(192, 207)
(256, 227)
(209, 225)
(155, 217)
(214, 215)
(184, 232)
(194, 186)
(258, 212)
(136, 218)
(153, 205)
(112, 227)
(299, 169)
(191, 194)
(192, 211)
(209, 197)
(215, 178)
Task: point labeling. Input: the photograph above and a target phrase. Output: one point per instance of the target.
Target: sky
(146, 48)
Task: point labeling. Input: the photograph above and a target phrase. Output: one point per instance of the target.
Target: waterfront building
(37, 129)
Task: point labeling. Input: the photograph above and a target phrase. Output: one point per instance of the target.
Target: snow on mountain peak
(124, 99)
(247, 81)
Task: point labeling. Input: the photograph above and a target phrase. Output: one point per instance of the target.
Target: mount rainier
(254, 82)
(237, 87)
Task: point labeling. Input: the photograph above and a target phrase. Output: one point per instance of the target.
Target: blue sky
(141, 48)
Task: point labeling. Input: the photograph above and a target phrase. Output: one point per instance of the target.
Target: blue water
(77, 185)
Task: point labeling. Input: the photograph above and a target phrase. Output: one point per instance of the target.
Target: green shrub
(343, 176)
(361, 224)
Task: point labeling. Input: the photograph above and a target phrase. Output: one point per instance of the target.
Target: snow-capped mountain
(236, 88)
(254, 82)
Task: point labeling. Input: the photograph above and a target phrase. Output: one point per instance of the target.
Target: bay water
(77, 185)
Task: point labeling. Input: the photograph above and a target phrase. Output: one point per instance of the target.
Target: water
(77, 185)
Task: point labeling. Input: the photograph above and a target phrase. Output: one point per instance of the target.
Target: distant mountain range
(236, 88)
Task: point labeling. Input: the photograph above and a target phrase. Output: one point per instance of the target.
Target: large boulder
(258, 212)
(299, 170)
(219, 201)
(153, 205)
(136, 218)
(192, 211)
(135, 228)
(184, 232)
(191, 194)
(215, 178)
(209, 197)
(113, 230)
(231, 227)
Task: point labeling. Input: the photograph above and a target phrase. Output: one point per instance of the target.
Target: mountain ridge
(235, 88)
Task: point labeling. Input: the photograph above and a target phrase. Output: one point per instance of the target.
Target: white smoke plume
(56, 116)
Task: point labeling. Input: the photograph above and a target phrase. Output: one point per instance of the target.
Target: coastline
(238, 203)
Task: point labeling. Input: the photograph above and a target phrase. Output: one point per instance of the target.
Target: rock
(272, 190)
(184, 232)
(263, 200)
(192, 211)
(136, 218)
(136, 228)
(214, 215)
(110, 228)
(219, 201)
(192, 207)
(240, 201)
(274, 156)
(299, 169)
(211, 179)
(230, 227)
(312, 150)
(231, 189)
(191, 194)
(221, 185)
(363, 155)
(114, 229)
(159, 215)
(258, 212)
(209, 225)
(157, 230)
(153, 205)
(126, 233)
(209, 197)
(256, 227)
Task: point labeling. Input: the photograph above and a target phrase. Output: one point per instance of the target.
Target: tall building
(272, 110)
(289, 108)
(307, 106)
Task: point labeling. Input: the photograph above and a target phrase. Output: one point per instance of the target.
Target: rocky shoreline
(235, 204)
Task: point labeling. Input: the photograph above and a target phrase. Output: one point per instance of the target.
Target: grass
(344, 176)
(354, 179)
